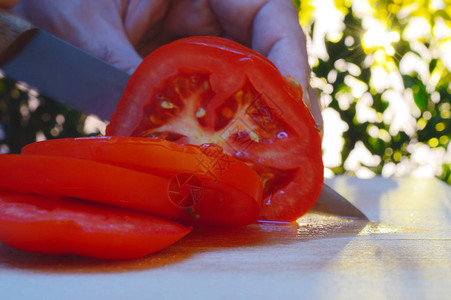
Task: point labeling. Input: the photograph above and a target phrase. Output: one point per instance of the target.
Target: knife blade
(58, 69)
(330, 202)
(68, 74)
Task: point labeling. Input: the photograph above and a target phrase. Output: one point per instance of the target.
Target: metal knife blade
(59, 70)
(330, 202)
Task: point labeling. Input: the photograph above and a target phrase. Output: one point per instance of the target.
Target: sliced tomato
(89, 180)
(62, 226)
(211, 90)
(159, 157)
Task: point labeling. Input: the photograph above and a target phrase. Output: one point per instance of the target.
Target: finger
(236, 18)
(271, 28)
(142, 18)
(190, 18)
(100, 34)
(278, 35)
(6, 4)
(119, 53)
(179, 19)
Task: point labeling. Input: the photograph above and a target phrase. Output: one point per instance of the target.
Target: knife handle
(14, 35)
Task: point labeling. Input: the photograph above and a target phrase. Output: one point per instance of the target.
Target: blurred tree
(383, 68)
(26, 117)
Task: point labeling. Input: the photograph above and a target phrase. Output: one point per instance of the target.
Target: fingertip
(123, 57)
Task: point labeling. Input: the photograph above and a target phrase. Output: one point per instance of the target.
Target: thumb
(118, 52)
(7, 4)
(100, 33)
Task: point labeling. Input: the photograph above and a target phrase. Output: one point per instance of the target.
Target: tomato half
(62, 226)
(89, 180)
(211, 90)
(159, 157)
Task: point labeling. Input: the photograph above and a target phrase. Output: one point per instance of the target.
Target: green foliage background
(430, 93)
(26, 116)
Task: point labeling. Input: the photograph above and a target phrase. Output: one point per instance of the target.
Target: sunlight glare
(40, 136)
(364, 111)
(426, 161)
(93, 125)
(333, 141)
(445, 49)
(378, 37)
(411, 63)
(357, 86)
(417, 28)
(328, 23)
(358, 158)
(399, 112)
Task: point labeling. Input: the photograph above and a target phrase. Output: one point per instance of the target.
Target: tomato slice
(158, 157)
(211, 90)
(89, 180)
(62, 226)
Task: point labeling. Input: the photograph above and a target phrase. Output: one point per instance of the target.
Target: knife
(57, 69)
(65, 73)
(330, 202)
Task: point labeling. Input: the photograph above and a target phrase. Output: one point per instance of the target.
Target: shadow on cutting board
(201, 240)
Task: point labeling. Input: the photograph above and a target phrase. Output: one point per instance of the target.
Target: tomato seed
(200, 113)
(248, 97)
(154, 120)
(167, 105)
(239, 96)
(227, 112)
(254, 136)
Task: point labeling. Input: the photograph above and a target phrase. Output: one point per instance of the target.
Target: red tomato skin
(158, 157)
(98, 182)
(83, 179)
(232, 66)
(61, 226)
(284, 204)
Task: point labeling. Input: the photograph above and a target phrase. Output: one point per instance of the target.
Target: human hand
(6, 4)
(121, 32)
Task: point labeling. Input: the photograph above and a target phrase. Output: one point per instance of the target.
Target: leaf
(420, 95)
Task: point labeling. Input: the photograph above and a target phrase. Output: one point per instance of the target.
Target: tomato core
(210, 90)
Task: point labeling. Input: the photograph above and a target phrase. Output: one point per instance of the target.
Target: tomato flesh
(62, 226)
(159, 157)
(123, 187)
(210, 90)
